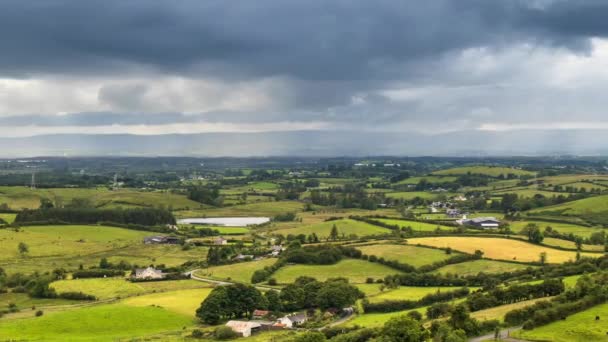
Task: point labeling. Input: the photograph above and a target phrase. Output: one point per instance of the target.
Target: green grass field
(96, 323)
(409, 293)
(529, 193)
(108, 288)
(19, 197)
(409, 195)
(491, 171)
(239, 272)
(430, 179)
(564, 228)
(499, 312)
(8, 217)
(579, 207)
(345, 227)
(24, 301)
(415, 225)
(183, 302)
(476, 266)
(501, 249)
(357, 271)
(407, 254)
(70, 246)
(580, 327)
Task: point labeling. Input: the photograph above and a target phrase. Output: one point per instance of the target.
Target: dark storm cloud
(310, 40)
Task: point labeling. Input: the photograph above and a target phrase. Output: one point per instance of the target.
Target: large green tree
(403, 329)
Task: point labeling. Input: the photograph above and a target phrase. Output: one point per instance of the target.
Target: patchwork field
(8, 217)
(70, 246)
(500, 249)
(409, 195)
(407, 254)
(499, 312)
(580, 207)
(409, 293)
(430, 179)
(240, 272)
(415, 225)
(580, 327)
(101, 322)
(184, 302)
(345, 227)
(108, 288)
(492, 171)
(476, 266)
(357, 271)
(268, 209)
(564, 228)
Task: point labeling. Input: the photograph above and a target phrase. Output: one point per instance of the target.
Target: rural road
(504, 336)
(224, 283)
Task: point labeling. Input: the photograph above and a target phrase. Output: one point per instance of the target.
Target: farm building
(482, 222)
(293, 320)
(220, 241)
(147, 273)
(161, 239)
(257, 314)
(244, 328)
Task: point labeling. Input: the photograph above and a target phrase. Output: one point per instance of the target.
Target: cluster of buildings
(162, 239)
(148, 273)
(247, 328)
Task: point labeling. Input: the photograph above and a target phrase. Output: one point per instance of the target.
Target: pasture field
(70, 246)
(8, 217)
(109, 288)
(239, 272)
(499, 312)
(229, 230)
(100, 322)
(184, 302)
(529, 193)
(476, 266)
(409, 195)
(415, 225)
(410, 293)
(345, 227)
(268, 209)
(564, 228)
(370, 289)
(357, 271)
(501, 249)
(430, 179)
(491, 171)
(24, 197)
(407, 254)
(24, 301)
(571, 245)
(579, 207)
(568, 179)
(579, 327)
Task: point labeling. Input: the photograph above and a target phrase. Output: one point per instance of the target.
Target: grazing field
(476, 266)
(268, 209)
(346, 227)
(580, 207)
(499, 312)
(70, 246)
(500, 249)
(430, 179)
(357, 271)
(409, 195)
(568, 179)
(8, 217)
(416, 226)
(101, 322)
(564, 228)
(491, 171)
(571, 245)
(409, 293)
(183, 302)
(239, 272)
(230, 230)
(108, 288)
(407, 254)
(529, 193)
(19, 197)
(24, 301)
(580, 327)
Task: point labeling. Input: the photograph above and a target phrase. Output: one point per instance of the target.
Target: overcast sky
(197, 66)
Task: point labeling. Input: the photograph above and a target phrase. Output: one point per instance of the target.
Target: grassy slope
(476, 266)
(415, 256)
(183, 302)
(416, 226)
(345, 226)
(409, 293)
(240, 272)
(253, 209)
(564, 228)
(483, 170)
(578, 327)
(499, 312)
(106, 288)
(357, 271)
(579, 207)
(500, 249)
(102, 322)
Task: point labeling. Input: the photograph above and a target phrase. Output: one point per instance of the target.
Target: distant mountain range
(315, 143)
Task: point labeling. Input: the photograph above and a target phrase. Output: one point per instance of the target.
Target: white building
(148, 273)
(244, 328)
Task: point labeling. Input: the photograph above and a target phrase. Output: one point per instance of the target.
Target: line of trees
(137, 216)
(399, 305)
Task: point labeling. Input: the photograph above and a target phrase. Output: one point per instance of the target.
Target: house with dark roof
(482, 222)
